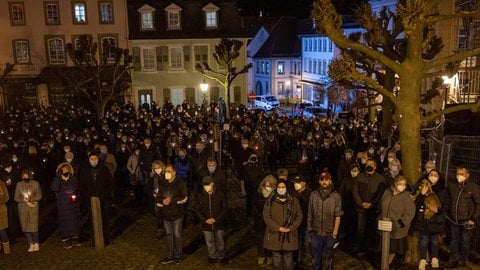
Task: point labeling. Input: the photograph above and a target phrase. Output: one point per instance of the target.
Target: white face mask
(69, 160)
(401, 188)
(281, 191)
(208, 188)
(266, 191)
(245, 146)
(433, 179)
(168, 176)
(354, 174)
(390, 159)
(297, 186)
(394, 168)
(65, 177)
(348, 156)
(158, 171)
(461, 178)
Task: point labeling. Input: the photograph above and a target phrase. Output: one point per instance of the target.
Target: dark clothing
(147, 156)
(464, 201)
(177, 192)
(368, 188)
(304, 198)
(68, 207)
(211, 206)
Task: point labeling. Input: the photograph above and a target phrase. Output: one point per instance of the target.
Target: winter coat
(322, 212)
(435, 224)
(177, 191)
(68, 208)
(211, 206)
(368, 188)
(100, 187)
(3, 206)
(400, 208)
(464, 201)
(275, 216)
(28, 215)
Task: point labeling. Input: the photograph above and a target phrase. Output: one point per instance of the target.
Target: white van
(266, 102)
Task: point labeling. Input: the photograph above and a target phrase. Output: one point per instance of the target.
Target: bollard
(385, 226)
(97, 223)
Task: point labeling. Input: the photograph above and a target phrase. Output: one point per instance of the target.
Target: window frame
(142, 59)
(74, 12)
(49, 55)
(172, 10)
(146, 10)
(101, 38)
(207, 19)
(16, 54)
(171, 59)
(46, 11)
(101, 13)
(280, 68)
(17, 21)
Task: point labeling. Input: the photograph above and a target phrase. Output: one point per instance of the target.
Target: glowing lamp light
(204, 86)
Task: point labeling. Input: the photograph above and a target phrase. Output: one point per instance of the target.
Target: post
(97, 223)
(385, 226)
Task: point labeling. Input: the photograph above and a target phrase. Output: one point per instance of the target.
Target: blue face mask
(198, 150)
(103, 151)
(211, 169)
(181, 156)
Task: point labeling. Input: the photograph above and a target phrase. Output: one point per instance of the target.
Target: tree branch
(452, 58)
(474, 107)
(445, 17)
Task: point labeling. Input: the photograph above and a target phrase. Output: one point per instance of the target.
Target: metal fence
(452, 151)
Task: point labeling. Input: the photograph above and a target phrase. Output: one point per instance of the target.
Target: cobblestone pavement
(135, 247)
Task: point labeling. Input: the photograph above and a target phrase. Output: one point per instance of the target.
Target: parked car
(266, 102)
(344, 116)
(315, 112)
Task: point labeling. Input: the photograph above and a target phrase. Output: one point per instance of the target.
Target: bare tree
(225, 54)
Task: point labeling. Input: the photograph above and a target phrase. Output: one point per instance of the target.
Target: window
(17, 13)
(324, 44)
(52, 13)
(147, 21)
(315, 45)
(314, 70)
(148, 58)
(280, 68)
(330, 45)
(211, 17)
(267, 68)
(109, 49)
(22, 51)
(176, 58)
(79, 12)
(106, 12)
(200, 53)
(173, 17)
(77, 43)
(56, 51)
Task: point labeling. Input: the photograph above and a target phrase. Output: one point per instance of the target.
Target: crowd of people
(308, 183)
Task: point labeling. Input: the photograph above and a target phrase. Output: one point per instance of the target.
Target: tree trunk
(227, 103)
(388, 108)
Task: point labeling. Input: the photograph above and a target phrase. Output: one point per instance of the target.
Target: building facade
(34, 36)
(168, 38)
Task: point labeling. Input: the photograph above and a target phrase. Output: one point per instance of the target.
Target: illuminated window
(176, 58)
(106, 12)
(56, 51)
(22, 51)
(147, 21)
(17, 13)
(79, 13)
(173, 17)
(149, 59)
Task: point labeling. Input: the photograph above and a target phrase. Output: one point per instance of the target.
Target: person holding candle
(4, 218)
(27, 195)
(64, 184)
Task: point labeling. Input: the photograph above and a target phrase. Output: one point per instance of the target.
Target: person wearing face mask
(153, 185)
(282, 215)
(135, 174)
(464, 215)
(241, 159)
(199, 159)
(64, 185)
(302, 192)
(430, 218)
(216, 174)
(394, 169)
(397, 205)
(171, 198)
(95, 180)
(4, 197)
(183, 166)
(348, 227)
(323, 221)
(264, 190)
(27, 194)
(148, 153)
(367, 192)
(344, 166)
(10, 175)
(210, 208)
(253, 175)
(122, 173)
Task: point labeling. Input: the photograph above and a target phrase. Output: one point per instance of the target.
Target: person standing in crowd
(211, 208)
(153, 185)
(10, 175)
(348, 227)
(242, 157)
(367, 192)
(65, 187)
(344, 166)
(4, 218)
(302, 192)
(397, 206)
(254, 173)
(323, 221)
(218, 178)
(171, 197)
(135, 178)
(95, 180)
(430, 219)
(27, 195)
(464, 214)
(122, 173)
(148, 153)
(199, 159)
(282, 215)
(265, 188)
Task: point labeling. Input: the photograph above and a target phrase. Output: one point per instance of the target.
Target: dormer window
(173, 17)
(211, 16)
(147, 19)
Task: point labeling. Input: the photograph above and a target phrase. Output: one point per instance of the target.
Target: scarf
(290, 214)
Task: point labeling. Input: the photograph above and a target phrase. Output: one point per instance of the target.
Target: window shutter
(186, 55)
(158, 53)
(137, 65)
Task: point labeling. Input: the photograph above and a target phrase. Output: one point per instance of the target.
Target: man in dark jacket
(171, 197)
(211, 208)
(367, 192)
(95, 180)
(464, 215)
(302, 192)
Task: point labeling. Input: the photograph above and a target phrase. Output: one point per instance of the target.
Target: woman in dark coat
(65, 187)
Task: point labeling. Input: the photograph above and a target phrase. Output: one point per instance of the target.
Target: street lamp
(204, 88)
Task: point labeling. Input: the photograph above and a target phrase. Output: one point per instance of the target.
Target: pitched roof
(284, 38)
(192, 19)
